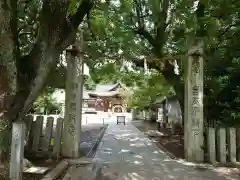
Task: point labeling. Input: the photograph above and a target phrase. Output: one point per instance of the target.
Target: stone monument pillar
(193, 115)
(73, 102)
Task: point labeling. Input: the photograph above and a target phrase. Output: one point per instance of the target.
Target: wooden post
(232, 144)
(211, 145)
(73, 102)
(17, 150)
(193, 132)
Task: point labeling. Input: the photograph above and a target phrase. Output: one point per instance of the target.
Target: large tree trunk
(56, 32)
(7, 77)
(177, 83)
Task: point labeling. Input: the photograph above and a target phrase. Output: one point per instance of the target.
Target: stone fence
(44, 134)
(35, 133)
(223, 145)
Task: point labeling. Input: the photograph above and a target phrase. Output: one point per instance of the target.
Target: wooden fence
(44, 134)
(223, 145)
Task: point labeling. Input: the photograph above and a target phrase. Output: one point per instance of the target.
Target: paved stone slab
(133, 156)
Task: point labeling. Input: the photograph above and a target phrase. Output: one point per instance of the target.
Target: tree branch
(147, 36)
(162, 24)
(56, 32)
(89, 25)
(200, 15)
(14, 27)
(228, 28)
(71, 23)
(162, 63)
(139, 12)
(83, 9)
(141, 27)
(160, 27)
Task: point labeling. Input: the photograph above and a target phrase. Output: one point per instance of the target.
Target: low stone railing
(36, 133)
(44, 134)
(223, 145)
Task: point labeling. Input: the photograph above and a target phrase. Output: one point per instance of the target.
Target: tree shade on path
(130, 154)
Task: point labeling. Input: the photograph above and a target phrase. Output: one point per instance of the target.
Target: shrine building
(106, 98)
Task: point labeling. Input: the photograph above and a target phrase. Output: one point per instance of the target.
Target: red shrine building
(106, 98)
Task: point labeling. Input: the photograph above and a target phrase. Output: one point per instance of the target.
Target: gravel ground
(89, 136)
(175, 146)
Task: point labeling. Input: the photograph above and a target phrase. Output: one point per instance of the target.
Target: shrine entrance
(118, 109)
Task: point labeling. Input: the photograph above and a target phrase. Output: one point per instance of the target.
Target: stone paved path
(126, 151)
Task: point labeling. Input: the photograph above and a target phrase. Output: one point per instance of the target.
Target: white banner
(160, 115)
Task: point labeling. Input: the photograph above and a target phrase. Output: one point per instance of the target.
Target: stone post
(193, 125)
(17, 150)
(73, 102)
